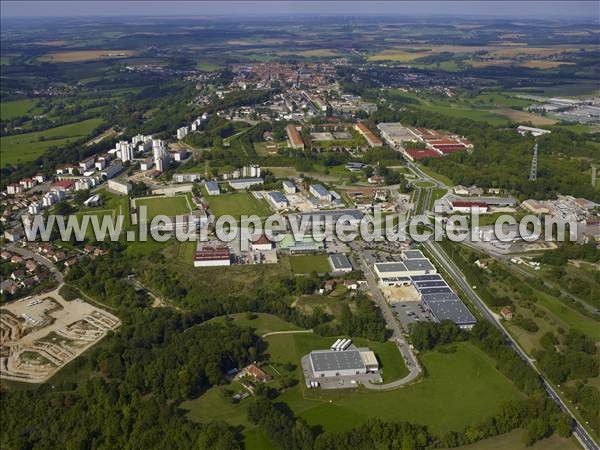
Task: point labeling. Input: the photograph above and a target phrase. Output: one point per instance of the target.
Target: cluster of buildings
(435, 295)
(25, 275)
(436, 143)
(570, 110)
(565, 207)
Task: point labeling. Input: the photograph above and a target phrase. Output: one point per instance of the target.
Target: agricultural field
(169, 206)
(18, 108)
(237, 204)
(305, 264)
(26, 147)
(85, 55)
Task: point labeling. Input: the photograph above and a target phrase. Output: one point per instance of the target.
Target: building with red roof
(414, 154)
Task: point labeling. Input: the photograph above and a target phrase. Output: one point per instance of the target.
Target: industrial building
(408, 268)
(320, 192)
(369, 136)
(353, 216)
(340, 263)
(212, 256)
(212, 188)
(306, 245)
(244, 183)
(294, 137)
(278, 200)
(342, 360)
(289, 187)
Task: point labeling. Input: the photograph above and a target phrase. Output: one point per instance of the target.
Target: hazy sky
(513, 9)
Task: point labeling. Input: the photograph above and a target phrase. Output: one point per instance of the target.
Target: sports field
(303, 264)
(21, 148)
(237, 204)
(168, 206)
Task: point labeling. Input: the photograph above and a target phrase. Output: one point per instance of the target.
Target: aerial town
(120, 289)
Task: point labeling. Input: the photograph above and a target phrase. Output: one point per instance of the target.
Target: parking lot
(410, 312)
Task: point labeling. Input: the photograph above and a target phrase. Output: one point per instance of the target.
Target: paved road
(397, 337)
(39, 259)
(442, 258)
(271, 333)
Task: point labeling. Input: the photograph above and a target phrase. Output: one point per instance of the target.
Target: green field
(514, 441)
(237, 204)
(303, 264)
(437, 401)
(21, 148)
(260, 322)
(168, 206)
(18, 108)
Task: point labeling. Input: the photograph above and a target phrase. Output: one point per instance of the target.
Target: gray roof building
(327, 363)
(340, 263)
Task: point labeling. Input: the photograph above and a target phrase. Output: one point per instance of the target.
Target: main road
(412, 364)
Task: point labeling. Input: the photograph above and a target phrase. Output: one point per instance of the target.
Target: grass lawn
(438, 401)
(303, 264)
(214, 405)
(21, 148)
(424, 184)
(18, 108)
(262, 323)
(238, 204)
(168, 206)
(571, 317)
(441, 178)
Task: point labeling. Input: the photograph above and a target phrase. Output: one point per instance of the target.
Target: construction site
(41, 334)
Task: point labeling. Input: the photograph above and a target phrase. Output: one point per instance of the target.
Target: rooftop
(339, 261)
(453, 310)
(327, 360)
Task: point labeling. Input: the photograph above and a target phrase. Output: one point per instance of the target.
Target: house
(506, 313)
(209, 257)
(14, 188)
(12, 235)
(63, 185)
(9, 287)
(376, 179)
(70, 262)
(329, 286)
(256, 372)
(31, 265)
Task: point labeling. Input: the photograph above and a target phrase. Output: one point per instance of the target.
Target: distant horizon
(553, 10)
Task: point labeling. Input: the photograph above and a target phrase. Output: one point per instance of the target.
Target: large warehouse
(441, 302)
(407, 268)
(330, 363)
